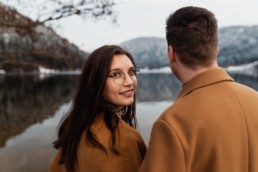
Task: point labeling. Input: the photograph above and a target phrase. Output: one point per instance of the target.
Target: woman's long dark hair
(88, 103)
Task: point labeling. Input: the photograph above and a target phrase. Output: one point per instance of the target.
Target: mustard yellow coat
(91, 159)
(211, 127)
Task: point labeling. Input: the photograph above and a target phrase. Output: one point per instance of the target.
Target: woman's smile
(128, 93)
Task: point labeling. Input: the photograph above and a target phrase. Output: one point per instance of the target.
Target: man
(213, 124)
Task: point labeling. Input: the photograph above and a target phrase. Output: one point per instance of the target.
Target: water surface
(32, 107)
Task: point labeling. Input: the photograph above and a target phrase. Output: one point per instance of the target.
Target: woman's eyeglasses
(119, 76)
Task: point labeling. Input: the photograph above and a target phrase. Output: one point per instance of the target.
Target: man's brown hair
(192, 32)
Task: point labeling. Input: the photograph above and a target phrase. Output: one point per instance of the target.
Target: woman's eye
(115, 74)
(132, 72)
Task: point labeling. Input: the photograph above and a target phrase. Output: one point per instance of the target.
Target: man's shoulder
(170, 112)
(241, 87)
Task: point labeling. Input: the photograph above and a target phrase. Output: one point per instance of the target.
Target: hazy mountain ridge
(238, 45)
(25, 46)
(148, 51)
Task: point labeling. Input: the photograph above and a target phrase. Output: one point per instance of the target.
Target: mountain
(25, 46)
(149, 52)
(238, 45)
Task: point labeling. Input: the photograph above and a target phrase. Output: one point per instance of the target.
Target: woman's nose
(128, 80)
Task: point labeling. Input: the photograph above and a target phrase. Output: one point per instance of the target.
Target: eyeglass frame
(137, 72)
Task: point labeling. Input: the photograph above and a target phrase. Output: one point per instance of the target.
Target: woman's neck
(118, 110)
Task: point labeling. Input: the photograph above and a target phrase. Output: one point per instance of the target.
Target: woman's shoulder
(124, 126)
(128, 131)
(98, 124)
(132, 138)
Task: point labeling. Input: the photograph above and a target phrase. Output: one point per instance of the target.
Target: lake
(32, 106)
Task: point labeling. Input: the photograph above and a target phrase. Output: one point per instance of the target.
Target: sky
(144, 18)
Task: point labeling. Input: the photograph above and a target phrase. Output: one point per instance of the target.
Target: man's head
(192, 34)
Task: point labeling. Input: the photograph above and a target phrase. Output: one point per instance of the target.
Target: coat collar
(204, 79)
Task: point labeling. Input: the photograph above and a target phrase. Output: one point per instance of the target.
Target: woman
(99, 133)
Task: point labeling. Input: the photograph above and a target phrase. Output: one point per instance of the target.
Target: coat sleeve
(165, 152)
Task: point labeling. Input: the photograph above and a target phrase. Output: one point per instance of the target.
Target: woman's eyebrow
(115, 69)
(121, 69)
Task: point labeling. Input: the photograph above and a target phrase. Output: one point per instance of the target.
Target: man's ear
(217, 49)
(171, 54)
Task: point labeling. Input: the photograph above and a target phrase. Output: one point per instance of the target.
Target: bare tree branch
(52, 10)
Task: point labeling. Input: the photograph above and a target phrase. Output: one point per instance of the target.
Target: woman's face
(121, 82)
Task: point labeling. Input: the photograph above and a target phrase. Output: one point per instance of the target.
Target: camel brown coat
(91, 159)
(211, 127)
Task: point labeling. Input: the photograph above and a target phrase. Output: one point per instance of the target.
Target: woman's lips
(128, 93)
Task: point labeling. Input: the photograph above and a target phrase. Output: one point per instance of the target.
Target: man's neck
(186, 74)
